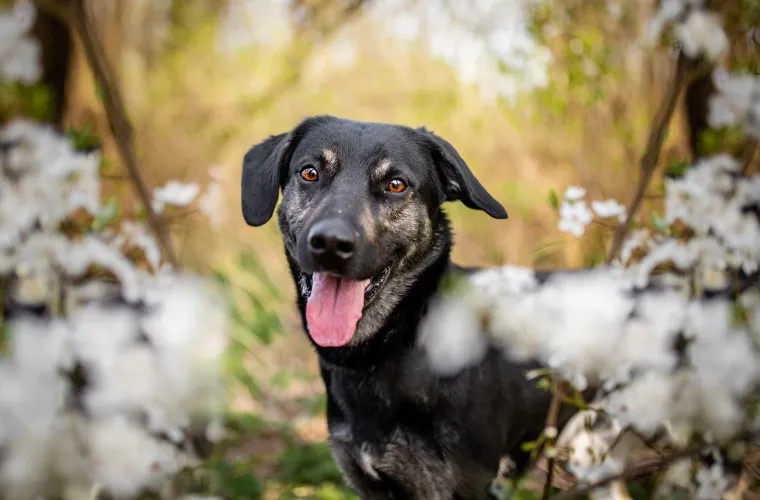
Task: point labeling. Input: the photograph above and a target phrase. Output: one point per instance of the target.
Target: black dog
(368, 245)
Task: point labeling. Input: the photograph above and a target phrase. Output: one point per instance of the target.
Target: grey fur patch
(368, 223)
(382, 168)
(331, 160)
(404, 458)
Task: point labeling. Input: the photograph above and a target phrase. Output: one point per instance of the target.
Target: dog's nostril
(345, 248)
(318, 243)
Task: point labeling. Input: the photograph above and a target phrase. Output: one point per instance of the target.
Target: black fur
(397, 430)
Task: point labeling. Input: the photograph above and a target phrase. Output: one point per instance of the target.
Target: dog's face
(360, 204)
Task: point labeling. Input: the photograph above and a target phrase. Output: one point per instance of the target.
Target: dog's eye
(397, 186)
(309, 174)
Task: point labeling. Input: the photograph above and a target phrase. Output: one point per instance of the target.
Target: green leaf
(307, 463)
(100, 93)
(553, 199)
(82, 138)
(660, 225)
(529, 445)
(677, 169)
(107, 215)
(220, 278)
(141, 215)
(236, 481)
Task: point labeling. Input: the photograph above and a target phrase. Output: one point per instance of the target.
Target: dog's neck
(394, 337)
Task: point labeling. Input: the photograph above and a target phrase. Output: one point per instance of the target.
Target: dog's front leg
(366, 485)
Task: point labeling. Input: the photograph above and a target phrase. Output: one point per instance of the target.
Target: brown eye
(397, 186)
(309, 174)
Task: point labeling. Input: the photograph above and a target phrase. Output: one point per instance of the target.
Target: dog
(368, 245)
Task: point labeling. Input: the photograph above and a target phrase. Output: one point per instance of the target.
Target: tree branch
(643, 469)
(683, 75)
(75, 12)
(749, 153)
(551, 422)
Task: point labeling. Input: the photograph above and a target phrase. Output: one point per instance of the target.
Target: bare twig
(551, 423)
(749, 154)
(647, 467)
(640, 470)
(684, 73)
(75, 12)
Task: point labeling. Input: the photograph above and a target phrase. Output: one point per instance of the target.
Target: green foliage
(677, 168)
(727, 139)
(554, 199)
(221, 477)
(660, 225)
(82, 138)
(506, 489)
(31, 101)
(307, 463)
(108, 215)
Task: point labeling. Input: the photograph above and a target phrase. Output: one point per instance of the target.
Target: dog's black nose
(333, 239)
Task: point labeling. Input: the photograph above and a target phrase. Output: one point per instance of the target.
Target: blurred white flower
(102, 388)
(712, 482)
(457, 346)
(138, 235)
(609, 208)
(669, 11)
(637, 239)
(212, 202)
(574, 193)
(701, 34)
(126, 460)
(174, 193)
(737, 101)
(574, 217)
(19, 55)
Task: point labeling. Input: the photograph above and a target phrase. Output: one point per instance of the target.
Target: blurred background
(536, 96)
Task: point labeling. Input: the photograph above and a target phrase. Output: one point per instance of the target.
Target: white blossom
(668, 12)
(211, 203)
(637, 239)
(88, 391)
(126, 459)
(459, 345)
(701, 34)
(737, 101)
(19, 55)
(609, 208)
(712, 482)
(174, 193)
(574, 217)
(138, 235)
(575, 193)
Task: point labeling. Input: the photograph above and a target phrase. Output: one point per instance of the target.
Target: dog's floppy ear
(458, 181)
(261, 178)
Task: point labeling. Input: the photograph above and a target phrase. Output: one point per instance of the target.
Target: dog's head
(359, 210)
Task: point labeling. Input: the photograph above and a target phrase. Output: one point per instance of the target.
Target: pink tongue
(334, 308)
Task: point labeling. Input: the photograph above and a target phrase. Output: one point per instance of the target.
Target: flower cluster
(20, 56)
(669, 335)
(737, 102)
(696, 28)
(575, 215)
(110, 365)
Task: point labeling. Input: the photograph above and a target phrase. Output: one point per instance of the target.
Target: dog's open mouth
(335, 305)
